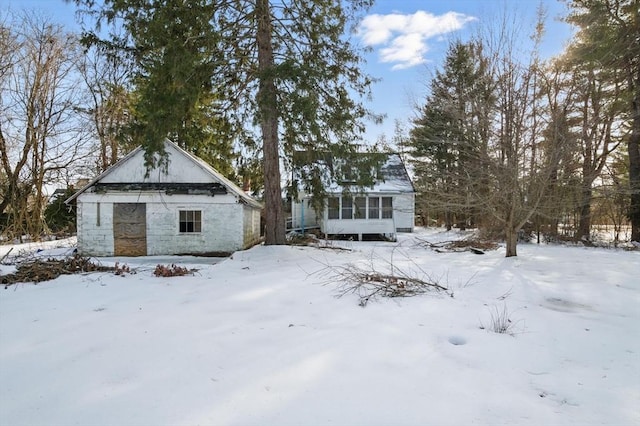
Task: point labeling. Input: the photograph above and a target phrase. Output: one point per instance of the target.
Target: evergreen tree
(558, 88)
(174, 49)
(608, 39)
(304, 95)
(488, 103)
(287, 68)
(450, 136)
(59, 216)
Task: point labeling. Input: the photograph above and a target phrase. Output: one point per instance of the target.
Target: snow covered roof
(391, 178)
(394, 176)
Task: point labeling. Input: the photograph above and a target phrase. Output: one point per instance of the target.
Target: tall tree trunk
(268, 113)
(512, 240)
(634, 165)
(633, 79)
(448, 220)
(584, 225)
(511, 228)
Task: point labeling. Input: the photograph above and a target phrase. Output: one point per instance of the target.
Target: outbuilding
(186, 208)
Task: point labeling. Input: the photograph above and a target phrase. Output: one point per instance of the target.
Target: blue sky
(408, 39)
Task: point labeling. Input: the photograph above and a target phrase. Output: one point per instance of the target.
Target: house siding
(358, 226)
(180, 169)
(306, 214)
(222, 223)
(404, 212)
(402, 221)
(251, 226)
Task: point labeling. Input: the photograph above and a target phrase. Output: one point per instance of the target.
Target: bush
(59, 216)
(172, 271)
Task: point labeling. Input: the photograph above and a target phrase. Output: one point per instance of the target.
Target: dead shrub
(38, 270)
(500, 322)
(172, 270)
(369, 285)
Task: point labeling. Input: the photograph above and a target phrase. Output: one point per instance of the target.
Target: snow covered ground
(262, 339)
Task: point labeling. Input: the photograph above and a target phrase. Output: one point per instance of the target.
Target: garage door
(130, 229)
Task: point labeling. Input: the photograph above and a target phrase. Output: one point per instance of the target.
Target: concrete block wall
(221, 229)
(223, 220)
(95, 236)
(251, 226)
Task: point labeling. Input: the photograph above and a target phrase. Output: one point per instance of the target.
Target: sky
(408, 39)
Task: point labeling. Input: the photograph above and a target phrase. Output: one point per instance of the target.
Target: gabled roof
(198, 162)
(392, 176)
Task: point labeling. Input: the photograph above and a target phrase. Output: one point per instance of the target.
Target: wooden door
(130, 229)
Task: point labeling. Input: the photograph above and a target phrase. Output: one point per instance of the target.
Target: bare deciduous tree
(40, 136)
(106, 77)
(497, 165)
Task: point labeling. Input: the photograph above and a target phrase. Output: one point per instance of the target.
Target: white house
(188, 209)
(386, 208)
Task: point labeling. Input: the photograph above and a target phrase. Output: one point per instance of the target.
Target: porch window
(334, 208)
(190, 221)
(387, 208)
(374, 208)
(347, 208)
(360, 208)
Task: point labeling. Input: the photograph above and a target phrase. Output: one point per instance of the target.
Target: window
(334, 208)
(387, 208)
(190, 221)
(350, 175)
(360, 205)
(347, 208)
(374, 208)
(360, 208)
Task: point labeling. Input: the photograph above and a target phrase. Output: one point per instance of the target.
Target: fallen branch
(310, 240)
(6, 254)
(457, 246)
(39, 270)
(368, 285)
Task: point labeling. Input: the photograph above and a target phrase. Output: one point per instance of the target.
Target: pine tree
(286, 68)
(451, 133)
(496, 165)
(174, 50)
(306, 93)
(608, 38)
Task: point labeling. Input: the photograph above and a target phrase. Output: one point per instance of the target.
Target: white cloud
(403, 38)
(404, 51)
